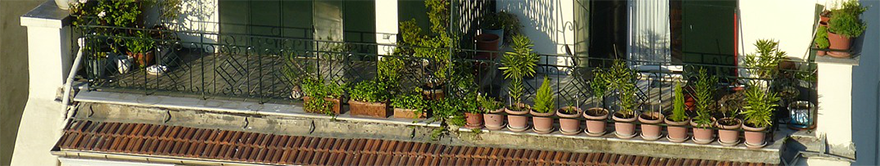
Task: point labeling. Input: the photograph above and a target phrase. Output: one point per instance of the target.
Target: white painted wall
(544, 23)
(386, 25)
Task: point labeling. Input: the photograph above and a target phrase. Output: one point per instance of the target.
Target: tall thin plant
(678, 113)
(763, 63)
(759, 107)
(624, 83)
(599, 85)
(704, 88)
(518, 64)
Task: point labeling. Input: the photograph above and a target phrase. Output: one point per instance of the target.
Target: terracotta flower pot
(624, 126)
(820, 52)
(515, 119)
(568, 123)
(596, 121)
(676, 131)
(650, 125)
(823, 20)
(838, 42)
(543, 121)
(728, 134)
(143, 59)
(335, 108)
(494, 121)
(474, 121)
(703, 134)
(754, 136)
(487, 42)
(359, 108)
(408, 113)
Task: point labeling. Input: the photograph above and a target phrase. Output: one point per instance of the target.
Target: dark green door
(708, 29)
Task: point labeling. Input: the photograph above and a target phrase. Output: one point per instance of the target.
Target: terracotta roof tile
(152, 139)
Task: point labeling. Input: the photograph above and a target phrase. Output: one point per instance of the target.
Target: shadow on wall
(197, 16)
(540, 20)
(650, 46)
(866, 89)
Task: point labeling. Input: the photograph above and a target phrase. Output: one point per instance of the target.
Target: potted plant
(758, 111)
(650, 122)
(437, 58)
(518, 64)
(140, 48)
(729, 125)
(491, 112)
(625, 116)
(704, 87)
(568, 122)
(843, 26)
(544, 108)
(472, 112)
(329, 95)
(492, 23)
(821, 40)
(824, 17)
(368, 98)
(409, 106)
(764, 64)
(676, 128)
(597, 116)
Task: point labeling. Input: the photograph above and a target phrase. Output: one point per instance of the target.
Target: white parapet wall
(386, 25)
(548, 23)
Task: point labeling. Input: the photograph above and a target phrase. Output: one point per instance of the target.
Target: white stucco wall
(544, 22)
(386, 25)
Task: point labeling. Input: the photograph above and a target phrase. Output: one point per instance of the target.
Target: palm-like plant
(763, 63)
(519, 63)
(759, 107)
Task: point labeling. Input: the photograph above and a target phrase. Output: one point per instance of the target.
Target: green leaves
(438, 13)
(845, 20)
(369, 91)
(544, 98)
(822, 38)
(488, 103)
(141, 42)
(704, 88)
(410, 101)
(315, 87)
(599, 84)
(621, 78)
(678, 113)
(517, 64)
(759, 107)
(763, 63)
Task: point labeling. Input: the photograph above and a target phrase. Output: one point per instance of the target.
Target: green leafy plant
(763, 64)
(388, 69)
(170, 9)
(623, 82)
(599, 84)
(317, 88)
(436, 50)
(845, 20)
(488, 103)
(759, 107)
(517, 64)
(369, 91)
(544, 98)
(704, 88)
(438, 13)
(822, 38)
(510, 23)
(140, 42)
(731, 104)
(120, 13)
(319, 105)
(410, 101)
(678, 114)
(411, 35)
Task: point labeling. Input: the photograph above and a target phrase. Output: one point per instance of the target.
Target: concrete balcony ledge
(291, 120)
(46, 15)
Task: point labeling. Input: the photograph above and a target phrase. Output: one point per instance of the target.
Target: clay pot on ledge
(676, 131)
(754, 136)
(624, 126)
(494, 120)
(515, 119)
(335, 108)
(487, 44)
(143, 59)
(543, 121)
(568, 122)
(838, 42)
(359, 108)
(650, 125)
(474, 120)
(703, 134)
(409, 113)
(597, 119)
(728, 134)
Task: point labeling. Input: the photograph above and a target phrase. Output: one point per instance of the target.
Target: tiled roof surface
(164, 140)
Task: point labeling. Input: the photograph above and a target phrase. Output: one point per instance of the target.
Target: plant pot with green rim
(597, 119)
(728, 132)
(544, 108)
(516, 121)
(368, 99)
(568, 122)
(843, 26)
(650, 123)
(491, 112)
(410, 106)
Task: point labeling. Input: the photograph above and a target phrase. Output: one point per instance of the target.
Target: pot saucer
(569, 132)
(678, 141)
(518, 129)
(474, 127)
(734, 143)
(594, 134)
(502, 126)
(544, 132)
(702, 142)
(750, 146)
(651, 139)
(625, 136)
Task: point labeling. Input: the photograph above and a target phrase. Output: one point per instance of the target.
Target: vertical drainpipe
(629, 28)
(735, 41)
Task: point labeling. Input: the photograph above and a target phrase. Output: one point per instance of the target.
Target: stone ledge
(46, 15)
(290, 120)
